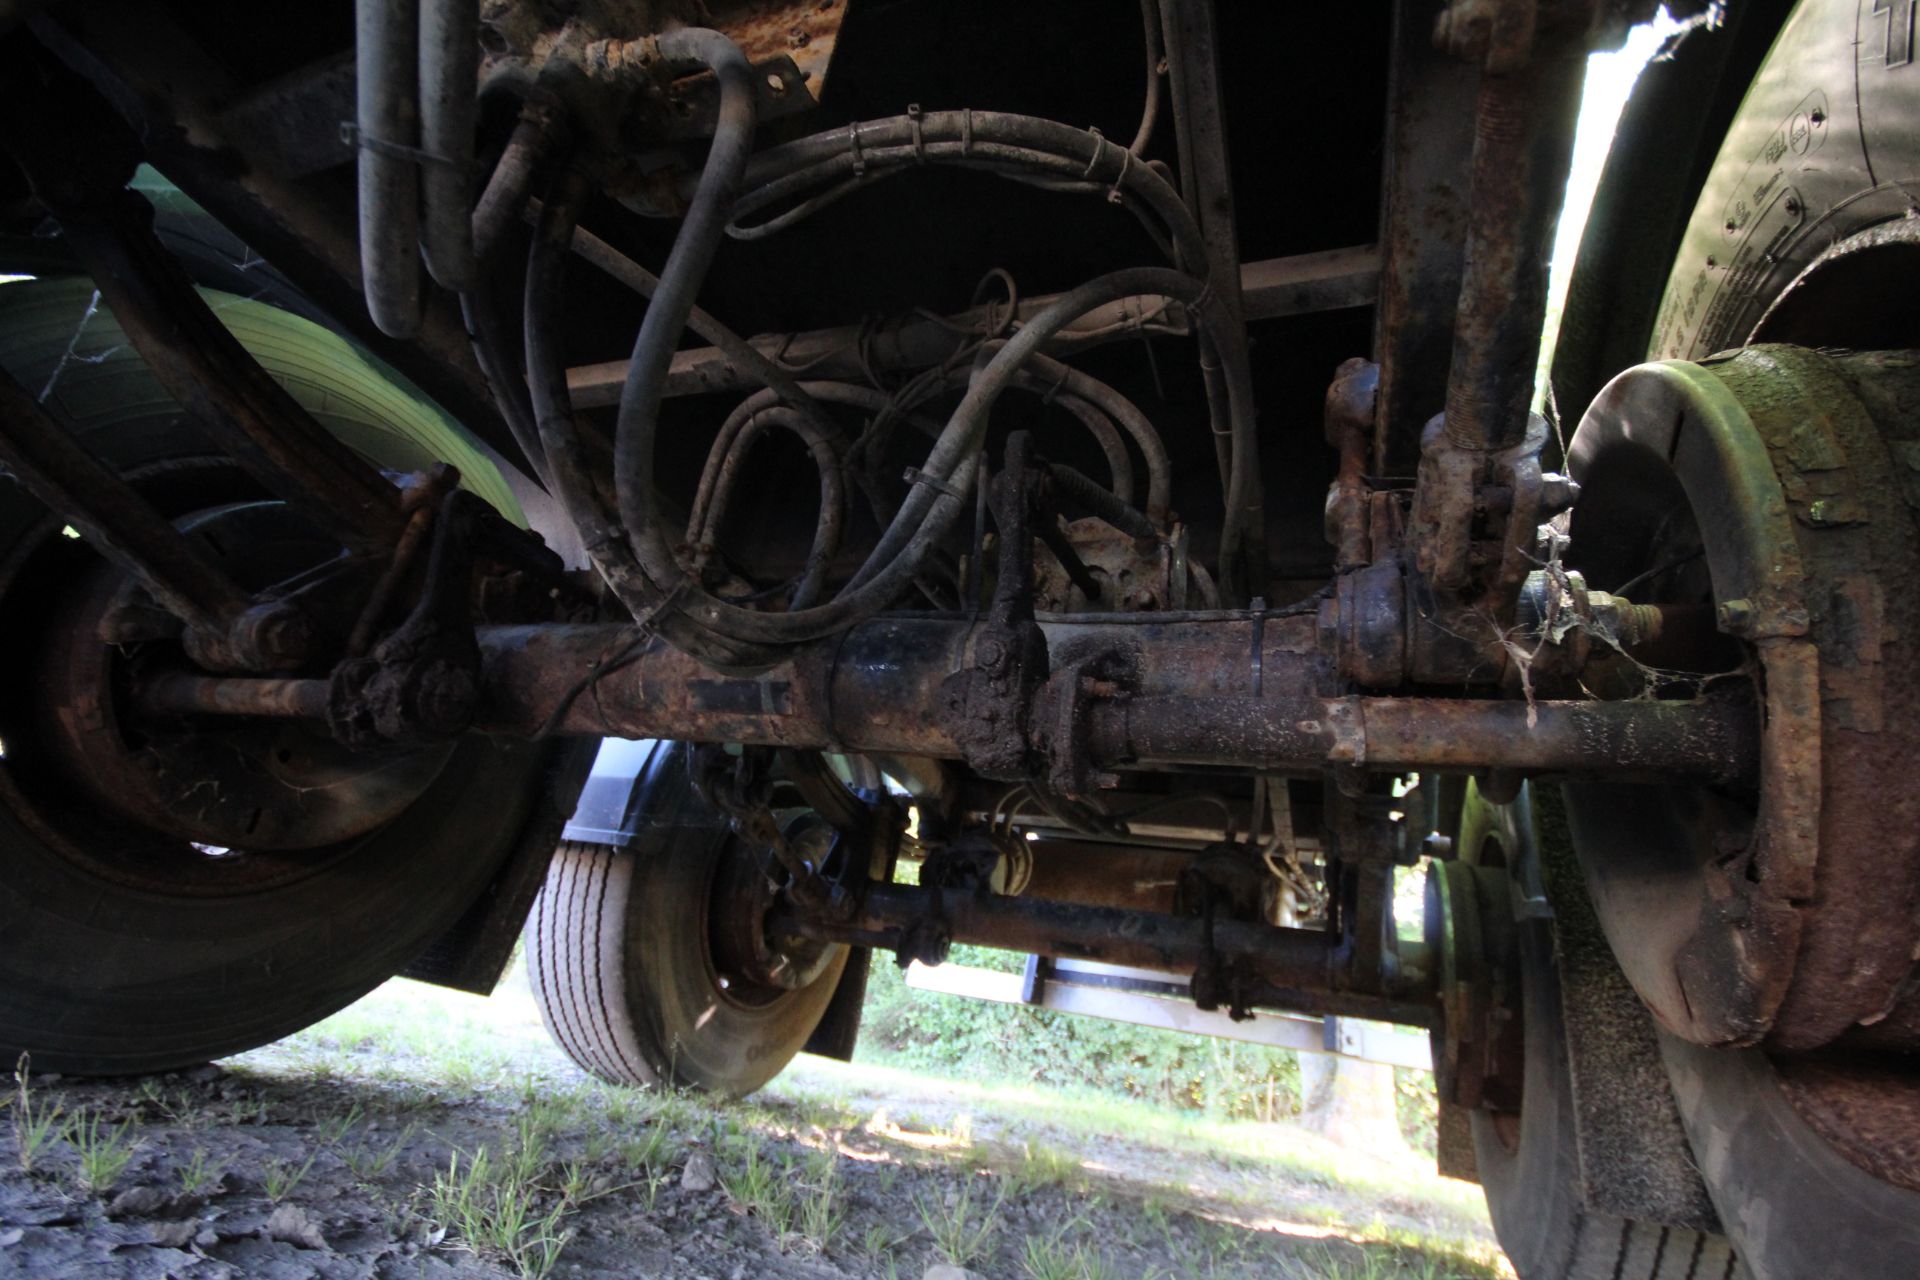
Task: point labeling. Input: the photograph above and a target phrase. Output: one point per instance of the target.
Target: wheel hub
(1776, 483)
(746, 890)
(229, 786)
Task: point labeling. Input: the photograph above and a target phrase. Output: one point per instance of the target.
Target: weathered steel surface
(1285, 968)
(1423, 228)
(1709, 738)
(1793, 918)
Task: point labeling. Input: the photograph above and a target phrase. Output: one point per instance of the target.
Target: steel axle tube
(1298, 969)
(1190, 700)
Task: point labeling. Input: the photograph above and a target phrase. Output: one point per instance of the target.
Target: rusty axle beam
(883, 688)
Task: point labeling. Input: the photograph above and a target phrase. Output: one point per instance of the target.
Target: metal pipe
(449, 108)
(387, 136)
(184, 694)
(1715, 739)
(1302, 963)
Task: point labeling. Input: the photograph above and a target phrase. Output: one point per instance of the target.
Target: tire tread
(581, 998)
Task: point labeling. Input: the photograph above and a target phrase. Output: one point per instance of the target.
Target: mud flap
(839, 1027)
(473, 954)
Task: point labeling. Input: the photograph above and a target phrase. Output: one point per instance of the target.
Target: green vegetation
(973, 1040)
(495, 1209)
(961, 1223)
(36, 1126)
(103, 1152)
(281, 1177)
(879, 1169)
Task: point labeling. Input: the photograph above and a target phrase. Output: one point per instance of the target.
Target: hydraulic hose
(387, 120)
(540, 131)
(703, 529)
(743, 353)
(449, 109)
(933, 504)
(693, 250)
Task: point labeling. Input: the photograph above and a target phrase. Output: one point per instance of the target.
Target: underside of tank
(1091, 451)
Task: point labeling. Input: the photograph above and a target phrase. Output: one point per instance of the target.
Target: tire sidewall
(99, 976)
(691, 1031)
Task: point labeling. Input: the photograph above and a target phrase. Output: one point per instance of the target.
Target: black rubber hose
(572, 456)
(870, 399)
(693, 250)
(449, 109)
(999, 141)
(1044, 376)
(487, 331)
(703, 528)
(386, 44)
(737, 349)
(1122, 411)
(1150, 108)
(931, 507)
(1090, 494)
(566, 449)
(537, 135)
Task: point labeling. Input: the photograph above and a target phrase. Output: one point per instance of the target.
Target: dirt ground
(426, 1135)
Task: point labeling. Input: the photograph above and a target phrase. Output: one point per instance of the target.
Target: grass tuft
(104, 1152)
(495, 1212)
(36, 1126)
(761, 1187)
(962, 1229)
(199, 1173)
(280, 1177)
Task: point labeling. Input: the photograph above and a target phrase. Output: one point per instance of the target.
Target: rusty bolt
(1557, 493)
(1735, 617)
(274, 636)
(991, 652)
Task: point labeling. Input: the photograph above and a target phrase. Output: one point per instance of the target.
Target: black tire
(109, 963)
(1529, 1162)
(621, 964)
(1825, 145)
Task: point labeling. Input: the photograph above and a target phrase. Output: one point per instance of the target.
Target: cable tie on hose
(1099, 149)
(915, 475)
(1113, 192)
(353, 136)
(1205, 298)
(1054, 390)
(859, 160)
(611, 538)
(919, 139)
